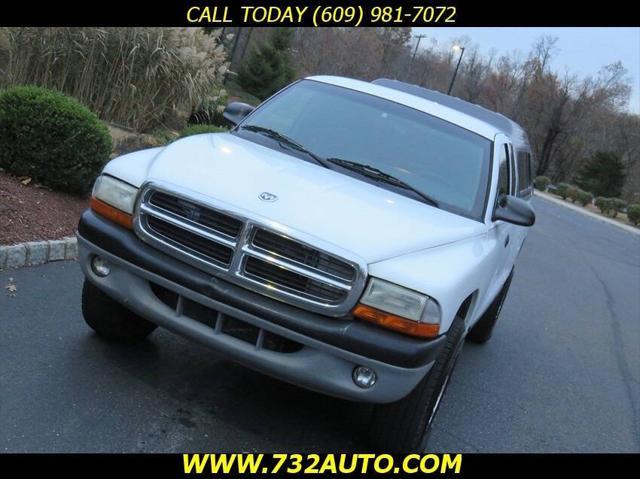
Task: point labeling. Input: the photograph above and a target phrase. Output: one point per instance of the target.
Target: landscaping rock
(37, 252)
(57, 250)
(16, 256)
(72, 249)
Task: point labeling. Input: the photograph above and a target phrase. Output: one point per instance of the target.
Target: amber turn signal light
(111, 213)
(396, 323)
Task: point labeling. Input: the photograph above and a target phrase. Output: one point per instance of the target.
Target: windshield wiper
(379, 175)
(285, 141)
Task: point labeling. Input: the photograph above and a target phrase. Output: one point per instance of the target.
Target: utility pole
(415, 51)
(236, 39)
(246, 44)
(453, 78)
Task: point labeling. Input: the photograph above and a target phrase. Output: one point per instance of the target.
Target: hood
(369, 221)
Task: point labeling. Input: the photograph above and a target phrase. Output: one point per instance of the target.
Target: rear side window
(524, 174)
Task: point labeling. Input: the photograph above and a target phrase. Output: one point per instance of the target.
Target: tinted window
(444, 161)
(524, 173)
(503, 172)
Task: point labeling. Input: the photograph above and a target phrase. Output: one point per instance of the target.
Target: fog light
(100, 266)
(364, 377)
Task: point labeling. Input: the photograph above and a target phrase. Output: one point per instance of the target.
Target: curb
(34, 253)
(571, 206)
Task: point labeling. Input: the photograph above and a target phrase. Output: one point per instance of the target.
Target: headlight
(116, 193)
(114, 199)
(399, 308)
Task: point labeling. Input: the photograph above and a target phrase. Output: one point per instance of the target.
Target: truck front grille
(247, 252)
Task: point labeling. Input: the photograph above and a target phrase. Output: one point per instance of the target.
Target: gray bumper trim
(317, 366)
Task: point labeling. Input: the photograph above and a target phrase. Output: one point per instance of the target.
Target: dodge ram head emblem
(266, 196)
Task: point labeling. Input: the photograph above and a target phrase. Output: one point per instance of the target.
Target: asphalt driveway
(562, 372)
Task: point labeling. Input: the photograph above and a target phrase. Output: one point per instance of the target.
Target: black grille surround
(205, 216)
(212, 251)
(247, 252)
(287, 248)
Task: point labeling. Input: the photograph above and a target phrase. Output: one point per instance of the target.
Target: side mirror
(515, 211)
(236, 111)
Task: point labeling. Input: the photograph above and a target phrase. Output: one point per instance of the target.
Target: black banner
(221, 13)
(161, 466)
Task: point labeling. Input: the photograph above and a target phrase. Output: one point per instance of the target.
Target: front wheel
(405, 425)
(110, 319)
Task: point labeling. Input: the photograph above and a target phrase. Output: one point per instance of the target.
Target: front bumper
(326, 349)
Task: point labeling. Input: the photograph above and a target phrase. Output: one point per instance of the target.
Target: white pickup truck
(343, 236)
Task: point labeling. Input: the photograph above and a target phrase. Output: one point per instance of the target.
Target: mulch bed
(33, 212)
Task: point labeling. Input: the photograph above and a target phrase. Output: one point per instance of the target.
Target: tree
(603, 175)
(268, 67)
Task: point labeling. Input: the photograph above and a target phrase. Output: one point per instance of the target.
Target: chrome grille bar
(321, 279)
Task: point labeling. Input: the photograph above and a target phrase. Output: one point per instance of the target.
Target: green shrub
(572, 193)
(542, 182)
(199, 129)
(51, 138)
(610, 206)
(563, 190)
(618, 204)
(584, 197)
(633, 213)
(604, 204)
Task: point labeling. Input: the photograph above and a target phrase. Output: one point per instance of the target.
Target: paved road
(562, 372)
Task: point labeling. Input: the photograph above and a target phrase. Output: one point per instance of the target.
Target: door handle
(506, 241)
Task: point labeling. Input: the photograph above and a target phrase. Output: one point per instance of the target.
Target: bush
(572, 193)
(51, 138)
(583, 197)
(199, 129)
(610, 206)
(542, 182)
(633, 213)
(268, 67)
(617, 205)
(139, 77)
(604, 204)
(563, 190)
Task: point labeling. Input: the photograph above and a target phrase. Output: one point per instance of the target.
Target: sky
(582, 51)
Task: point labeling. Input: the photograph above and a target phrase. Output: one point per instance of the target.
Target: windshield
(441, 160)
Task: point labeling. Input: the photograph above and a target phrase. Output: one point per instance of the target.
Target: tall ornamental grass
(136, 77)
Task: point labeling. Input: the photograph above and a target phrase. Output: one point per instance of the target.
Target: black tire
(483, 329)
(405, 425)
(110, 320)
